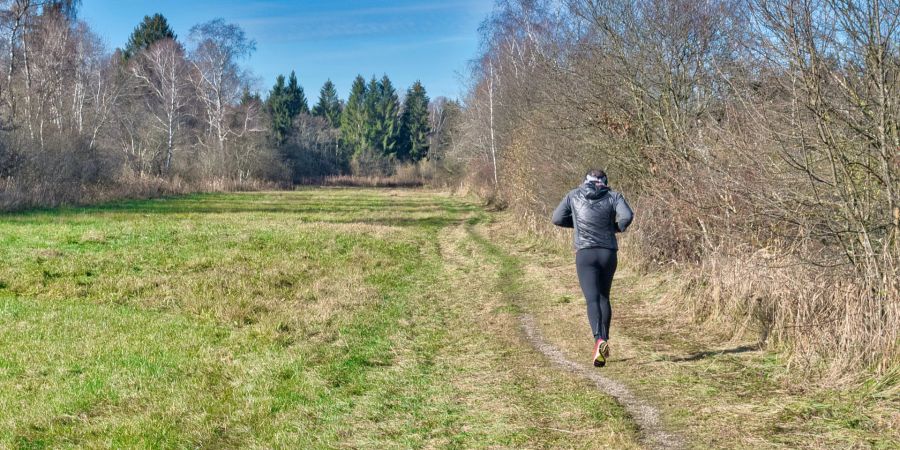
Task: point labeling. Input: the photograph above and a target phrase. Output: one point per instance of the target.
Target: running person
(597, 213)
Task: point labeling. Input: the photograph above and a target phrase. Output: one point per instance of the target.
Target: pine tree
(388, 121)
(382, 105)
(286, 101)
(278, 106)
(414, 126)
(355, 117)
(248, 97)
(296, 97)
(149, 31)
(373, 125)
(329, 105)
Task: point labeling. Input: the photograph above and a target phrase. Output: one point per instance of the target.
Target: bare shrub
(370, 181)
(409, 174)
(813, 314)
(313, 149)
(80, 124)
(756, 139)
(370, 163)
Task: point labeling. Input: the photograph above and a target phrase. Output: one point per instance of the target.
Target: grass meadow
(309, 319)
(363, 318)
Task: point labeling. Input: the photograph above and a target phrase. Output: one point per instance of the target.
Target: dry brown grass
(17, 196)
(401, 176)
(392, 181)
(706, 376)
(831, 327)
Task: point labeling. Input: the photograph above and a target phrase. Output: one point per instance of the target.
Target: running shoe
(601, 352)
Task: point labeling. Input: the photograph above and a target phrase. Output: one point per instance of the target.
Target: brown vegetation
(78, 124)
(758, 141)
(406, 175)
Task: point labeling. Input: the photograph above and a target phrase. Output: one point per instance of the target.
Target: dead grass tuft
(19, 196)
(828, 324)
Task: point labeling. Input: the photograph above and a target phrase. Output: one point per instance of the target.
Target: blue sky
(430, 40)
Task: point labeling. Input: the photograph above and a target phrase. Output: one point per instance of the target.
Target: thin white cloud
(356, 21)
(320, 31)
(384, 50)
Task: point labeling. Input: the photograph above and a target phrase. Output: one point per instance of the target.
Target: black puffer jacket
(596, 213)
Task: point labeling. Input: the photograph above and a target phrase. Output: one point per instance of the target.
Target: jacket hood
(592, 191)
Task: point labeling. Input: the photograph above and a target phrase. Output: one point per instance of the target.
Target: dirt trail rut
(647, 417)
(653, 434)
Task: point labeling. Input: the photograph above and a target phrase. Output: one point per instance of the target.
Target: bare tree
(217, 49)
(165, 75)
(841, 60)
(105, 86)
(740, 128)
(248, 124)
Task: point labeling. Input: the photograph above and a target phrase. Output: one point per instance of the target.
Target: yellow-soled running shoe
(601, 353)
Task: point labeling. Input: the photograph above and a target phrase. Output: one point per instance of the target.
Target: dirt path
(515, 287)
(559, 407)
(646, 416)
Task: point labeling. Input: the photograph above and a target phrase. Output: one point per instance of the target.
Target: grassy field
(353, 318)
(308, 319)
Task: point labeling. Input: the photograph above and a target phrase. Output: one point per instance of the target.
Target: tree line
(758, 139)
(168, 113)
(369, 134)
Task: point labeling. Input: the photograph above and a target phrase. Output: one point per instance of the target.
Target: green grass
(308, 319)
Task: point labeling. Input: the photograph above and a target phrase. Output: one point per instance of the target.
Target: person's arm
(624, 215)
(562, 216)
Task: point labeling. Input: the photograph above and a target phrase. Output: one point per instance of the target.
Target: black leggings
(596, 267)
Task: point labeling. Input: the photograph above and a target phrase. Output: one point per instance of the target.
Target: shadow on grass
(696, 356)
